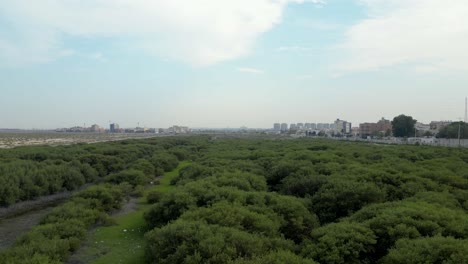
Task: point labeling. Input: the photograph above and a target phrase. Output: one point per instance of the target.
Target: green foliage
(132, 176)
(403, 126)
(195, 242)
(145, 166)
(153, 197)
(276, 257)
(342, 197)
(447, 250)
(407, 219)
(164, 161)
(341, 243)
(251, 200)
(252, 219)
(453, 130)
(62, 230)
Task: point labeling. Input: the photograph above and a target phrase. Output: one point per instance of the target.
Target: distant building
(277, 127)
(369, 129)
(95, 128)
(313, 126)
(300, 126)
(342, 127)
(307, 126)
(178, 130)
(438, 125)
(284, 127)
(422, 127)
(293, 127)
(323, 126)
(114, 128)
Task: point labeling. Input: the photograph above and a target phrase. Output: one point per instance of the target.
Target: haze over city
(230, 63)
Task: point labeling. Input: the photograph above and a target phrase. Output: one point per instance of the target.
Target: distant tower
(466, 110)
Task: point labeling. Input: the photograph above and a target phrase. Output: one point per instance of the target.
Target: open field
(11, 140)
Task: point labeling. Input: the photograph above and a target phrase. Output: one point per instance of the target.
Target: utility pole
(466, 110)
(459, 129)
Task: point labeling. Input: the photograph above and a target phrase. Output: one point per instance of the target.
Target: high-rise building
(342, 127)
(300, 126)
(307, 126)
(313, 126)
(114, 128)
(277, 127)
(293, 127)
(284, 127)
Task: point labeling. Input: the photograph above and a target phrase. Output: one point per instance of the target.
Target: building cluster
(78, 129)
(175, 130)
(284, 127)
(342, 128)
(382, 127)
(115, 128)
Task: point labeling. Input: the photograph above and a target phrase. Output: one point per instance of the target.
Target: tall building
(277, 127)
(313, 126)
(307, 126)
(293, 127)
(300, 126)
(114, 128)
(342, 127)
(284, 127)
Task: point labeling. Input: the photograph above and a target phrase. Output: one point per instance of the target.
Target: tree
(340, 243)
(403, 126)
(451, 131)
(436, 249)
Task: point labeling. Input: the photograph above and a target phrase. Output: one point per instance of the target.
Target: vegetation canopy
(251, 200)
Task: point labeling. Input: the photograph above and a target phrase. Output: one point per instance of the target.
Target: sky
(225, 63)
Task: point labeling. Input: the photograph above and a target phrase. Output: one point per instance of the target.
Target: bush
(153, 197)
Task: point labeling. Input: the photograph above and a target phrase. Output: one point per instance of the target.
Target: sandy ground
(11, 140)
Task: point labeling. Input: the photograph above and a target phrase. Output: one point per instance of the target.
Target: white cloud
(418, 33)
(251, 70)
(199, 32)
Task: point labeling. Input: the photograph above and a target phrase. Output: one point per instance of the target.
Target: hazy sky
(229, 63)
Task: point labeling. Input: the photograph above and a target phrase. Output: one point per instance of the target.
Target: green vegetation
(260, 201)
(124, 242)
(454, 130)
(62, 231)
(119, 170)
(403, 126)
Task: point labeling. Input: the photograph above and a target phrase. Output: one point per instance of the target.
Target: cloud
(416, 33)
(196, 32)
(251, 70)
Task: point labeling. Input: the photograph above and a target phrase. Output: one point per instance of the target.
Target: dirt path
(12, 228)
(18, 218)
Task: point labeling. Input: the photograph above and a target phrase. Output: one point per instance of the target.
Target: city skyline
(230, 63)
